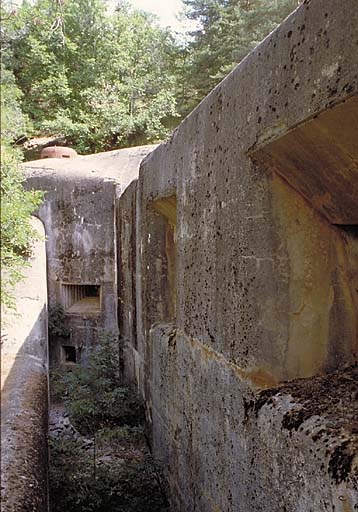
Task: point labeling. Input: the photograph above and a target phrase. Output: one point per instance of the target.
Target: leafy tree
(102, 81)
(16, 204)
(105, 81)
(227, 31)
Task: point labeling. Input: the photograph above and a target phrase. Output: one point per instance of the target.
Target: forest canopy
(16, 203)
(104, 79)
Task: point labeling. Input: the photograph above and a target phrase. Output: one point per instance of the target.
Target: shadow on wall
(24, 400)
(24, 416)
(317, 163)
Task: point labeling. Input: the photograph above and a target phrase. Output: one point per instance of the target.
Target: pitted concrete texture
(228, 447)
(24, 398)
(262, 276)
(264, 172)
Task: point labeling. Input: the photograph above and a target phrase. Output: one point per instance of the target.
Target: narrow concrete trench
(108, 468)
(99, 457)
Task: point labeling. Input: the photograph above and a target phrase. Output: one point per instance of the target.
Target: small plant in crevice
(114, 471)
(57, 322)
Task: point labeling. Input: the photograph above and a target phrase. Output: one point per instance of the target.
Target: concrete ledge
(227, 447)
(24, 399)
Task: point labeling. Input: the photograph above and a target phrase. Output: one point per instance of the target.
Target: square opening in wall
(68, 354)
(81, 298)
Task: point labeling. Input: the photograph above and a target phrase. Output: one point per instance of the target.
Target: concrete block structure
(243, 334)
(229, 265)
(79, 216)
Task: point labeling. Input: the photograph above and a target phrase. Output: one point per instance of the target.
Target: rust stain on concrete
(167, 206)
(259, 378)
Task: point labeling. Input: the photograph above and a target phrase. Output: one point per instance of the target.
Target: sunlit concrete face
(29, 320)
(264, 174)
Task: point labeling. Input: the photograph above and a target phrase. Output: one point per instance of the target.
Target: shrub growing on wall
(94, 395)
(17, 205)
(57, 322)
(107, 467)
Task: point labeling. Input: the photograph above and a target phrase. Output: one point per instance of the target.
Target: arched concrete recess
(318, 159)
(24, 384)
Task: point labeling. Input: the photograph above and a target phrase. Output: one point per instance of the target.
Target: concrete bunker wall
(265, 278)
(127, 275)
(79, 216)
(24, 385)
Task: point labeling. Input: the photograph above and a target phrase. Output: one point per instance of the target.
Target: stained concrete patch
(334, 399)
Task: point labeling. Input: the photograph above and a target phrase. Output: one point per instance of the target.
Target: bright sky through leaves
(167, 10)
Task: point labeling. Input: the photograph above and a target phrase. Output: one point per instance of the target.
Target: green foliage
(17, 234)
(101, 81)
(123, 435)
(17, 205)
(126, 483)
(117, 473)
(227, 31)
(57, 322)
(93, 395)
(104, 80)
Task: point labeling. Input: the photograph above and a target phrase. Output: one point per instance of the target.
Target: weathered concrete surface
(126, 268)
(229, 448)
(79, 217)
(80, 251)
(121, 165)
(249, 247)
(265, 282)
(24, 398)
(327, 146)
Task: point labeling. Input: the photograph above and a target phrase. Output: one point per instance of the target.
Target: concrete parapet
(24, 398)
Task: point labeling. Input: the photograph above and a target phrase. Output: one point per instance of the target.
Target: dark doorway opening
(68, 354)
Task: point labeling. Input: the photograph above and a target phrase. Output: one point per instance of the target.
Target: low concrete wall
(24, 382)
